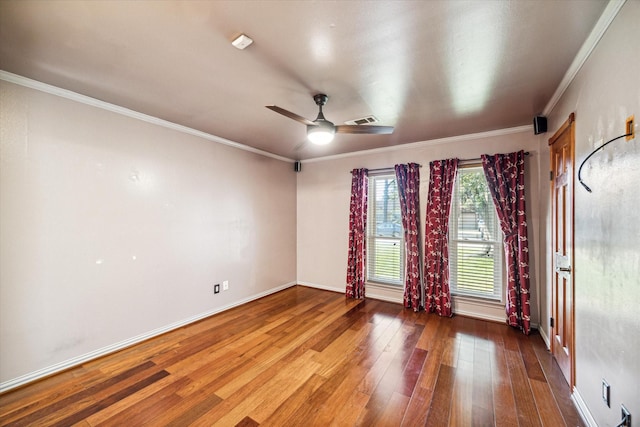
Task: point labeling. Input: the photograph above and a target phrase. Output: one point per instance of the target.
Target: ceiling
(432, 69)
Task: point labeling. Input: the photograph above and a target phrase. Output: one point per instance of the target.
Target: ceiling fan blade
(291, 115)
(380, 130)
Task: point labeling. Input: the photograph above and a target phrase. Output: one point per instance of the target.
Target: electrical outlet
(606, 393)
(626, 417)
(216, 288)
(225, 285)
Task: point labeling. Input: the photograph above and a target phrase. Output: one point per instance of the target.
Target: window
(385, 243)
(475, 244)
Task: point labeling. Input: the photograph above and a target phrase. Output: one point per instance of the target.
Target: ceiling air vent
(363, 121)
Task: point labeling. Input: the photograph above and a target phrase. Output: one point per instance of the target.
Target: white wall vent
(363, 121)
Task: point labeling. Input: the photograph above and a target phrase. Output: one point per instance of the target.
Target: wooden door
(562, 178)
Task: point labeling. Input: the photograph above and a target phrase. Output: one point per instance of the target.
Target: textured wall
(112, 227)
(607, 232)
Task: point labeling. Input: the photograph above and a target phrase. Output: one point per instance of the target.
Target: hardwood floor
(306, 357)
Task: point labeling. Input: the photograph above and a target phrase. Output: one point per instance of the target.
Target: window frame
(371, 235)
(498, 294)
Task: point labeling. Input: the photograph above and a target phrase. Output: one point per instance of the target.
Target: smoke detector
(242, 41)
(363, 121)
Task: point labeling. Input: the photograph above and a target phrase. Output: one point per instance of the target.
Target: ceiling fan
(321, 131)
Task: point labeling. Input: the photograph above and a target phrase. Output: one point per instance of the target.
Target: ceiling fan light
(320, 135)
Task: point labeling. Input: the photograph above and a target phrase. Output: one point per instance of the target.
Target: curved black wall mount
(586, 187)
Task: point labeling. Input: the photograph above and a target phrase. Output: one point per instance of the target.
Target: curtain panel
(357, 231)
(442, 175)
(505, 177)
(408, 179)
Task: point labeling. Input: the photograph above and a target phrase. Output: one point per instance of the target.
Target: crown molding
(74, 96)
(607, 17)
(428, 143)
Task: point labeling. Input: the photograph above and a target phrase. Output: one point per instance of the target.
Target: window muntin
(475, 240)
(385, 243)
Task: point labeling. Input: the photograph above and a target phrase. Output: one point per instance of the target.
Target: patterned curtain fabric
(505, 177)
(408, 179)
(357, 233)
(436, 271)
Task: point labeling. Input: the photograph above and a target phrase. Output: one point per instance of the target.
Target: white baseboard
(323, 287)
(385, 293)
(545, 338)
(478, 309)
(70, 363)
(475, 315)
(385, 298)
(371, 292)
(582, 408)
(462, 306)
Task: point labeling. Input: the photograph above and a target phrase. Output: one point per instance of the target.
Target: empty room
(319, 213)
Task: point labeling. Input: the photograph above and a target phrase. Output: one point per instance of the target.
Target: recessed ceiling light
(242, 41)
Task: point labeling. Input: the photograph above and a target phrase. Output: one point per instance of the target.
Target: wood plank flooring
(307, 357)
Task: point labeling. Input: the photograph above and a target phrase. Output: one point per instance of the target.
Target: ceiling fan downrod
(320, 99)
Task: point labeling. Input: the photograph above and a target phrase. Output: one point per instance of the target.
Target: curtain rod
(382, 169)
(385, 169)
(477, 159)
(526, 153)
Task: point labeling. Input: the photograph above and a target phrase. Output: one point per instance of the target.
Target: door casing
(562, 331)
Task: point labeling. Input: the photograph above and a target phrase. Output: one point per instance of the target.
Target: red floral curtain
(408, 179)
(436, 258)
(357, 233)
(505, 177)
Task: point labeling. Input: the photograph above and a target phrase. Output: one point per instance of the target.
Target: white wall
(112, 228)
(607, 232)
(324, 189)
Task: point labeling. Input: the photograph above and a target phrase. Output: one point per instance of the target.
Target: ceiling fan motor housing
(320, 99)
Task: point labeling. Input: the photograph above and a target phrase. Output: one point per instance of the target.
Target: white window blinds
(475, 240)
(385, 245)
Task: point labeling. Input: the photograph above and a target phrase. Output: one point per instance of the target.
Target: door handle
(564, 269)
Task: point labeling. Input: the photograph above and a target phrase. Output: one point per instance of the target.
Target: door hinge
(551, 322)
(550, 175)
